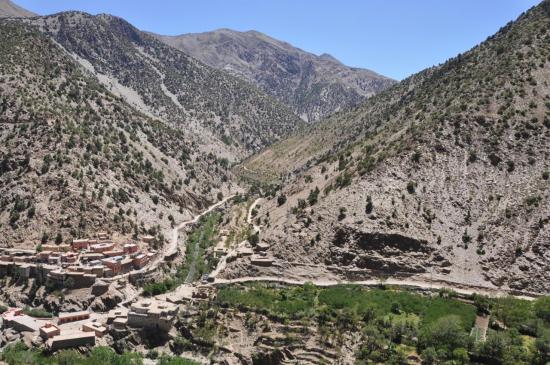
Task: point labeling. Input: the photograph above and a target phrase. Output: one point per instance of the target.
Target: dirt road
(374, 282)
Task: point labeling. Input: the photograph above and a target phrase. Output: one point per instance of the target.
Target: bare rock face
(377, 251)
(312, 86)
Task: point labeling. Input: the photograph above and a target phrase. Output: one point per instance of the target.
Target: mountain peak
(312, 86)
(8, 9)
(329, 57)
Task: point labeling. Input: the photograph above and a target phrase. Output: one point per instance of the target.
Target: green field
(396, 323)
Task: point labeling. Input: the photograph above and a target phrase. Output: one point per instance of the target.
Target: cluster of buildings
(63, 334)
(75, 329)
(76, 265)
(149, 313)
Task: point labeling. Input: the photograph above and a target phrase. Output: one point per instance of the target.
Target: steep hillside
(445, 174)
(75, 158)
(312, 86)
(228, 116)
(9, 9)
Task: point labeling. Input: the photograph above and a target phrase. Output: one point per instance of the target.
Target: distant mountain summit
(312, 86)
(10, 10)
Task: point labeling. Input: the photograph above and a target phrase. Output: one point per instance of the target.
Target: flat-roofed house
(117, 313)
(16, 319)
(49, 330)
(113, 253)
(126, 264)
(66, 317)
(140, 261)
(80, 244)
(102, 247)
(113, 263)
(148, 239)
(69, 257)
(90, 256)
(130, 248)
(152, 313)
(95, 327)
(71, 340)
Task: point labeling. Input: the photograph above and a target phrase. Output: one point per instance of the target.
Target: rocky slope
(312, 86)
(227, 115)
(445, 174)
(9, 9)
(76, 158)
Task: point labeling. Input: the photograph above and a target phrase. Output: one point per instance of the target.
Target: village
(79, 264)
(97, 263)
(85, 328)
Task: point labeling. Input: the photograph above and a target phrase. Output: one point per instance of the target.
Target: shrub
(472, 156)
(36, 312)
(416, 156)
(342, 213)
(254, 239)
(313, 196)
(155, 199)
(343, 180)
(495, 160)
(369, 206)
(542, 308)
(511, 165)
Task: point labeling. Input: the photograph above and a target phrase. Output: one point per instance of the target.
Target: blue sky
(393, 37)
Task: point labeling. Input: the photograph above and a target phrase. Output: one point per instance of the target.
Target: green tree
(447, 334)
(313, 196)
(542, 308)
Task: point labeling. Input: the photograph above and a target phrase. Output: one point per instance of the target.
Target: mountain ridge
(313, 86)
(10, 9)
(452, 160)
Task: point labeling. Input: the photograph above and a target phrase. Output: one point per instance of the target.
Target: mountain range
(312, 86)
(444, 173)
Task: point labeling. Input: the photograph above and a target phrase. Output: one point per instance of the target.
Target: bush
(181, 344)
(313, 196)
(446, 334)
(254, 239)
(416, 157)
(542, 308)
(36, 312)
(342, 213)
(472, 156)
(369, 206)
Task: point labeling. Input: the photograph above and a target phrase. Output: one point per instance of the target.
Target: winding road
(170, 249)
(493, 293)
